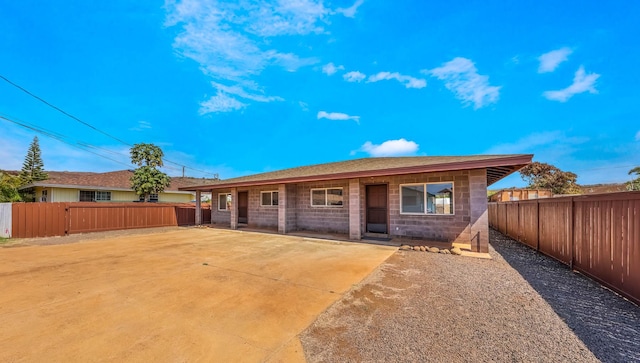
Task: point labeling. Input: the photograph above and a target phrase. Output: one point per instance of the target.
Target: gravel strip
(425, 307)
(608, 324)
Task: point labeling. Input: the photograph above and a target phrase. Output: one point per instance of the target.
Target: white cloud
(231, 40)
(330, 69)
(638, 136)
(390, 148)
(551, 60)
(337, 116)
(354, 76)
(582, 82)
(538, 141)
(407, 81)
(350, 12)
(220, 103)
(241, 91)
(304, 106)
(461, 77)
(142, 125)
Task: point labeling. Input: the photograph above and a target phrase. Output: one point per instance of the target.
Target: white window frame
(426, 213)
(101, 199)
(272, 199)
(228, 197)
(151, 197)
(326, 200)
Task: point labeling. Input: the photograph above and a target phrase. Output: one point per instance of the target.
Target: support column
(198, 208)
(214, 206)
(355, 229)
(479, 215)
(233, 212)
(282, 209)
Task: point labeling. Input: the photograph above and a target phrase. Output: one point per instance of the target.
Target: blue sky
(241, 87)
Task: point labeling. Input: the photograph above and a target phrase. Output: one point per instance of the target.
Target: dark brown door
(377, 208)
(243, 206)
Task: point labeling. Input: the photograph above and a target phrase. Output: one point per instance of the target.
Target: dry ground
(175, 295)
(426, 307)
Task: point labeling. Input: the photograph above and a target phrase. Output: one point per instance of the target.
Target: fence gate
(5, 220)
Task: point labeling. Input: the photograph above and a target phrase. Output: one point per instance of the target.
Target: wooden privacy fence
(60, 219)
(598, 235)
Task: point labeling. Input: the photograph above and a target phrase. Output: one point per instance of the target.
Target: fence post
(571, 232)
(518, 222)
(67, 219)
(538, 224)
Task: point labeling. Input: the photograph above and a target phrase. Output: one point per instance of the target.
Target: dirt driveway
(180, 295)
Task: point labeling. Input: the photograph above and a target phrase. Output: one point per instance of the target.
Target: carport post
(282, 209)
(198, 207)
(233, 215)
(354, 209)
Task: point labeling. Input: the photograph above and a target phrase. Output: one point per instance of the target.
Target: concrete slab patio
(180, 295)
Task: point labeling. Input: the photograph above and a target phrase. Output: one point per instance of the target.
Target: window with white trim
(153, 197)
(103, 196)
(426, 198)
(224, 201)
(94, 196)
(326, 197)
(269, 198)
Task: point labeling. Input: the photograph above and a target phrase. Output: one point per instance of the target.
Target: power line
(76, 143)
(93, 127)
(56, 136)
(61, 110)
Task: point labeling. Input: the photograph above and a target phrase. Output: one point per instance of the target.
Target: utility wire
(76, 143)
(61, 110)
(61, 139)
(91, 126)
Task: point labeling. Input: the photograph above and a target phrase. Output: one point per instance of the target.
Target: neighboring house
(115, 186)
(508, 195)
(603, 188)
(430, 198)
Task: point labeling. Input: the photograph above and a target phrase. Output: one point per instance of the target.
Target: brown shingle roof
(498, 166)
(117, 180)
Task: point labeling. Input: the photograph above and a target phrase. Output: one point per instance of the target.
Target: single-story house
(508, 195)
(439, 198)
(114, 186)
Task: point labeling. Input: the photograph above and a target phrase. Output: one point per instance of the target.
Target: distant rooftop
(116, 180)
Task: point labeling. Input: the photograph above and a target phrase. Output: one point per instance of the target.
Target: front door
(377, 208)
(243, 206)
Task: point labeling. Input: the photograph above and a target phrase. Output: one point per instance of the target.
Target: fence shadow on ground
(608, 324)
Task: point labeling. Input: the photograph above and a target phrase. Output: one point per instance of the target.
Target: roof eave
(516, 162)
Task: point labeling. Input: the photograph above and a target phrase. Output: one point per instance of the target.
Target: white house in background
(114, 186)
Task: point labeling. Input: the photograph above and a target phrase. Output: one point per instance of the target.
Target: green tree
(9, 188)
(33, 167)
(147, 179)
(546, 176)
(635, 183)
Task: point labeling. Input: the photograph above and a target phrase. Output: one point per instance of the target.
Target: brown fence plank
(513, 223)
(528, 223)
(554, 233)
